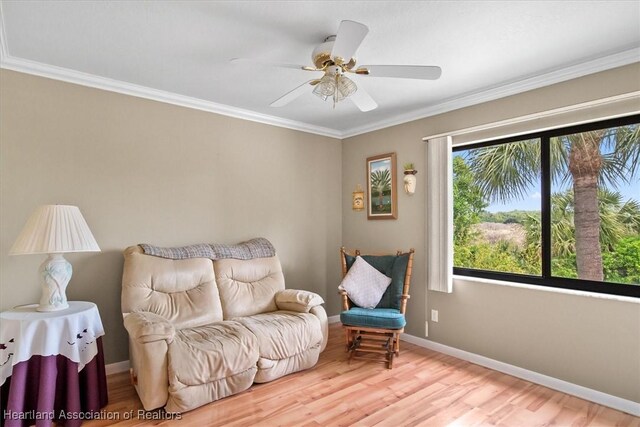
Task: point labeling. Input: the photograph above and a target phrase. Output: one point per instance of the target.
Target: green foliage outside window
(505, 172)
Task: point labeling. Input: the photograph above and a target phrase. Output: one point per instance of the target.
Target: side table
(51, 365)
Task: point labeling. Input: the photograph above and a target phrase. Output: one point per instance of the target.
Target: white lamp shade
(55, 229)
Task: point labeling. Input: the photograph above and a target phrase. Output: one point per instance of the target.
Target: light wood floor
(424, 388)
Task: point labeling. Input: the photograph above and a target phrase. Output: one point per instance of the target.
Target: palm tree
(588, 160)
(381, 182)
(617, 220)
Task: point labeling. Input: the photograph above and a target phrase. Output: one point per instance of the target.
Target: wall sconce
(358, 199)
(409, 178)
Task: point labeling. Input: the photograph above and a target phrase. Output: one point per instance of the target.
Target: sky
(532, 201)
(381, 164)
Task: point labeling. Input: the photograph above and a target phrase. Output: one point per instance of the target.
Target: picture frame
(382, 199)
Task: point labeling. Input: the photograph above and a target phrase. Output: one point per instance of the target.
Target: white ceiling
(179, 51)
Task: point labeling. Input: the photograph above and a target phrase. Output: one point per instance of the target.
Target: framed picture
(381, 187)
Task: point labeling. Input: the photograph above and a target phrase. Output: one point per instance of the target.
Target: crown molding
(615, 60)
(631, 99)
(84, 79)
(9, 62)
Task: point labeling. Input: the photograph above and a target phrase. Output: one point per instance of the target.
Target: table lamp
(55, 230)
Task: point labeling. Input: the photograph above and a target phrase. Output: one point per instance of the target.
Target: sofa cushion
(184, 292)
(208, 353)
(283, 334)
(248, 287)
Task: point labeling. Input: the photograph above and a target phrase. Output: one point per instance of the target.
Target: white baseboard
(599, 397)
(116, 368)
(334, 319)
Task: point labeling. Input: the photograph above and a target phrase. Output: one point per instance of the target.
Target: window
(558, 208)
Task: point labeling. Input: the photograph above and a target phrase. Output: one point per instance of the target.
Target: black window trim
(546, 278)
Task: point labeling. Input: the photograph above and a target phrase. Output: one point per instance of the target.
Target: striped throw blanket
(254, 248)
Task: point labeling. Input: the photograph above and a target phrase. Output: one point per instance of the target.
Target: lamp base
(55, 273)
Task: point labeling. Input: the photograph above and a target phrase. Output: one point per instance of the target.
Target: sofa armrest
(321, 314)
(297, 300)
(145, 327)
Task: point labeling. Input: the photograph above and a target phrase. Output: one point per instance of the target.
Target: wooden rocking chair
(377, 330)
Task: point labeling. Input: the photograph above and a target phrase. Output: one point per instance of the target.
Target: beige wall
(587, 341)
(143, 171)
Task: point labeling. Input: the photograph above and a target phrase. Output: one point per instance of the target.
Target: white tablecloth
(72, 332)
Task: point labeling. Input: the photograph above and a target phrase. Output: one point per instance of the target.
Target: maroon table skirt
(45, 389)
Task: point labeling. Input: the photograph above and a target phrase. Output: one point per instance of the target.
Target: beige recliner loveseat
(202, 329)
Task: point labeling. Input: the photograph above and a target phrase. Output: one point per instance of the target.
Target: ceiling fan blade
(349, 37)
(260, 63)
(291, 95)
(422, 72)
(363, 100)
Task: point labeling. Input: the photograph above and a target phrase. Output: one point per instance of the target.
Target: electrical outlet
(426, 328)
(434, 316)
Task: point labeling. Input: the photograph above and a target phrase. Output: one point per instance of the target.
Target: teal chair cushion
(386, 318)
(392, 266)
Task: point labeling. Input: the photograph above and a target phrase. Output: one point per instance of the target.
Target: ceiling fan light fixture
(335, 87)
(326, 88)
(335, 57)
(345, 88)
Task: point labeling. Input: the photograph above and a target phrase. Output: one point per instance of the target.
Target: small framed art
(381, 187)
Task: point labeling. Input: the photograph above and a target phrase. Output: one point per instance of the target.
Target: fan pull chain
(335, 92)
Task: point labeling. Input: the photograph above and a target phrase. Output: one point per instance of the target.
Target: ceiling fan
(335, 58)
